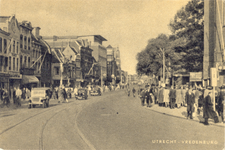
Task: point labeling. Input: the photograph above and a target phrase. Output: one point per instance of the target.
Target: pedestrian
(5, 96)
(220, 105)
(142, 96)
(148, 96)
(28, 93)
(14, 95)
(190, 99)
(172, 97)
(18, 96)
(128, 91)
(133, 90)
(208, 111)
(60, 95)
(23, 96)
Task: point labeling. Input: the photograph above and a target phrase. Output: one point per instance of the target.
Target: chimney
(37, 31)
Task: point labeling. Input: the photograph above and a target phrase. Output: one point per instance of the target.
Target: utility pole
(101, 77)
(163, 52)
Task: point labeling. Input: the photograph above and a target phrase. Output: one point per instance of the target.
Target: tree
(188, 24)
(150, 60)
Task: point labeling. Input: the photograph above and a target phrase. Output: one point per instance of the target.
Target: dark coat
(190, 98)
(208, 111)
(172, 93)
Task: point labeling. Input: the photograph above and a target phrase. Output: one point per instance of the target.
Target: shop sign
(195, 76)
(15, 76)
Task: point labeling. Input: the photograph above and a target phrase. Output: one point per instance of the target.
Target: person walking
(134, 91)
(5, 96)
(190, 99)
(221, 97)
(148, 96)
(208, 111)
(172, 96)
(142, 96)
(23, 96)
(18, 96)
(14, 95)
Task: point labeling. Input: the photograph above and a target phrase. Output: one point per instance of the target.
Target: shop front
(4, 81)
(14, 82)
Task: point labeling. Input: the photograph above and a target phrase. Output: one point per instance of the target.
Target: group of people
(17, 95)
(196, 99)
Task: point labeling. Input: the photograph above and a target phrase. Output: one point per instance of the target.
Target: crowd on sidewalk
(60, 93)
(196, 99)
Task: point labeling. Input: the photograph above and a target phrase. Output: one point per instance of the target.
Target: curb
(219, 125)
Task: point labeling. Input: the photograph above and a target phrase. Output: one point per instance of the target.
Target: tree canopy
(183, 49)
(188, 23)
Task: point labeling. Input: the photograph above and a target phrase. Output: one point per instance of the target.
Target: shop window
(14, 65)
(9, 63)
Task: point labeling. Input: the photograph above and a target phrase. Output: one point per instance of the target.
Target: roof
(109, 46)
(98, 36)
(4, 18)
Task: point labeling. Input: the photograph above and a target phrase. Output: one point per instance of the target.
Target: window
(14, 65)
(21, 61)
(21, 41)
(9, 63)
(0, 45)
(5, 46)
(17, 48)
(17, 64)
(14, 44)
(56, 70)
(28, 62)
(25, 61)
(28, 43)
(25, 42)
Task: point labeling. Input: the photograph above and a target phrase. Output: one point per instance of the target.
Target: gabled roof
(109, 46)
(58, 54)
(72, 48)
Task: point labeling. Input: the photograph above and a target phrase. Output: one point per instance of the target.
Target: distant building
(113, 65)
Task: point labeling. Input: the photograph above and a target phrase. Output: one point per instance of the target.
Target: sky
(127, 24)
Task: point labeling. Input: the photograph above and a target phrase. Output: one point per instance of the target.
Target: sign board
(195, 77)
(213, 76)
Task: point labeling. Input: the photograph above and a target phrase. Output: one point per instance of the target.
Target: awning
(29, 79)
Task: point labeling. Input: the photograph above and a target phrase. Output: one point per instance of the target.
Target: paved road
(112, 121)
(119, 122)
(43, 128)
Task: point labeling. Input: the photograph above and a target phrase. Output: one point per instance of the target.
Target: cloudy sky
(127, 24)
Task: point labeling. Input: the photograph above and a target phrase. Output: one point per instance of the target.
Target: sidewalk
(181, 113)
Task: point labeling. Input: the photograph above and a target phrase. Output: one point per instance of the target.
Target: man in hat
(190, 99)
(208, 111)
